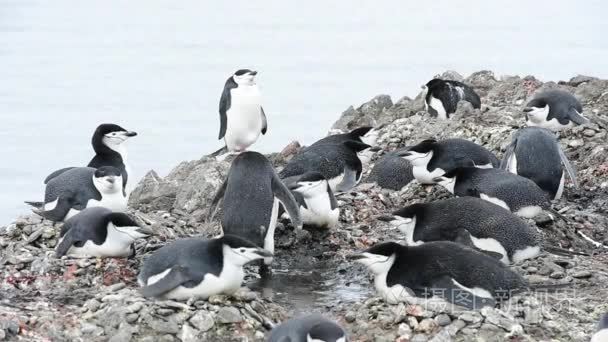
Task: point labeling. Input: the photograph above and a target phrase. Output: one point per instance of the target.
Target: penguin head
(380, 258)
(420, 154)
(107, 179)
(405, 218)
(310, 184)
(110, 136)
(326, 331)
(125, 225)
(366, 134)
(537, 110)
(244, 77)
(239, 251)
(448, 180)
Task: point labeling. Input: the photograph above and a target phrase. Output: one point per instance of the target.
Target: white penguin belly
(244, 118)
(394, 294)
(437, 105)
(108, 249)
(319, 212)
(526, 253)
(116, 202)
(492, 245)
(229, 281)
(423, 176)
(269, 238)
(477, 291)
(495, 200)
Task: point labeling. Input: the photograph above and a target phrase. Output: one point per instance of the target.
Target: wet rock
(229, 315)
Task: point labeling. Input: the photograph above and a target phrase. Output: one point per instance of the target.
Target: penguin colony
(456, 250)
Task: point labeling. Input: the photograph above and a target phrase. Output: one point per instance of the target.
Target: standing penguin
(512, 192)
(601, 335)
(99, 232)
(108, 142)
(242, 117)
(432, 158)
(391, 171)
(338, 163)
(460, 275)
(534, 153)
(311, 328)
(251, 195)
(555, 110)
(318, 206)
(79, 188)
(469, 221)
(198, 268)
(441, 97)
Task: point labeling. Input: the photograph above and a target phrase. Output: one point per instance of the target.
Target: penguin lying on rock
(198, 268)
(311, 328)
(555, 110)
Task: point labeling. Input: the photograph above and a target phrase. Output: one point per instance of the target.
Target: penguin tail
(37, 205)
(58, 213)
(562, 251)
(219, 152)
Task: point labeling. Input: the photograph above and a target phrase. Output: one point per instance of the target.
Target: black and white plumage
(338, 163)
(242, 117)
(518, 194)
(82, 187)
(366, 135)
(601, 334)
(441, 97)
(555, 110)
(310, 328)
(318, 205)
(456, 273)
(470, 221)
(431, 158)
(110, 150)
(99, 232)
(251, 194)
(391, 171)
(198, 268)
(534, 153)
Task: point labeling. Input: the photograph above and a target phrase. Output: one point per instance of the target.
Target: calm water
(158, 67)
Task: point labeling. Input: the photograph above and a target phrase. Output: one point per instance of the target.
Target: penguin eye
(242, 250)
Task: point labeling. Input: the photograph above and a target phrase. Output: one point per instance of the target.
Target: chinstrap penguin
(470, 221)
(242, 117)
(108, 142)
(534, 153)
(601, 334)
(510, 191)
(251, 194)
(366, 135)
(99, 232)
(441, 97)
(391, 171)
(82, 187)
(310, 328)
(458, 274)
(431, 158)
(555, 110)
(338, 163)
(318, 206)
(198, 268)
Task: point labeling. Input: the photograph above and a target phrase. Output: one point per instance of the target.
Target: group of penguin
(461, 245)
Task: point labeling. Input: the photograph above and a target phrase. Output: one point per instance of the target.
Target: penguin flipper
(446, 288)
(56, 173)
(264, 122)
(176, 277)
(463, 237)
(349, 180)
(567, 166)
(58, 213)
(216, 200)
(65, 245)
(576, 117)
(285, 196)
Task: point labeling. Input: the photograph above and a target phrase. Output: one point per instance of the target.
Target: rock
(229, 315)
(122, 336)
(419, 338)
(443, 320)
(202, 321)
(188, 334)
(471, 317)
(582, 274)
(427, 325)
(90, 329)
(404, 331)
(350, 316)
(368, 114)
(92, 305)
(170, 326)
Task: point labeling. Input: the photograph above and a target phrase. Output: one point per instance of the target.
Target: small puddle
(309, 289)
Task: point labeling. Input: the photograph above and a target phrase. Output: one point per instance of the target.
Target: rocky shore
(43, 298)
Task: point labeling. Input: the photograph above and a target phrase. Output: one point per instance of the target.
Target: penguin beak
(386, 218)
(294, 186)
(253, 73)
(404, 153)
(375, 149)
(438, 179)
(355, 257)
(111, 179)
(263, 253)
(131, 134)
(528, 109)
(145, 231)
